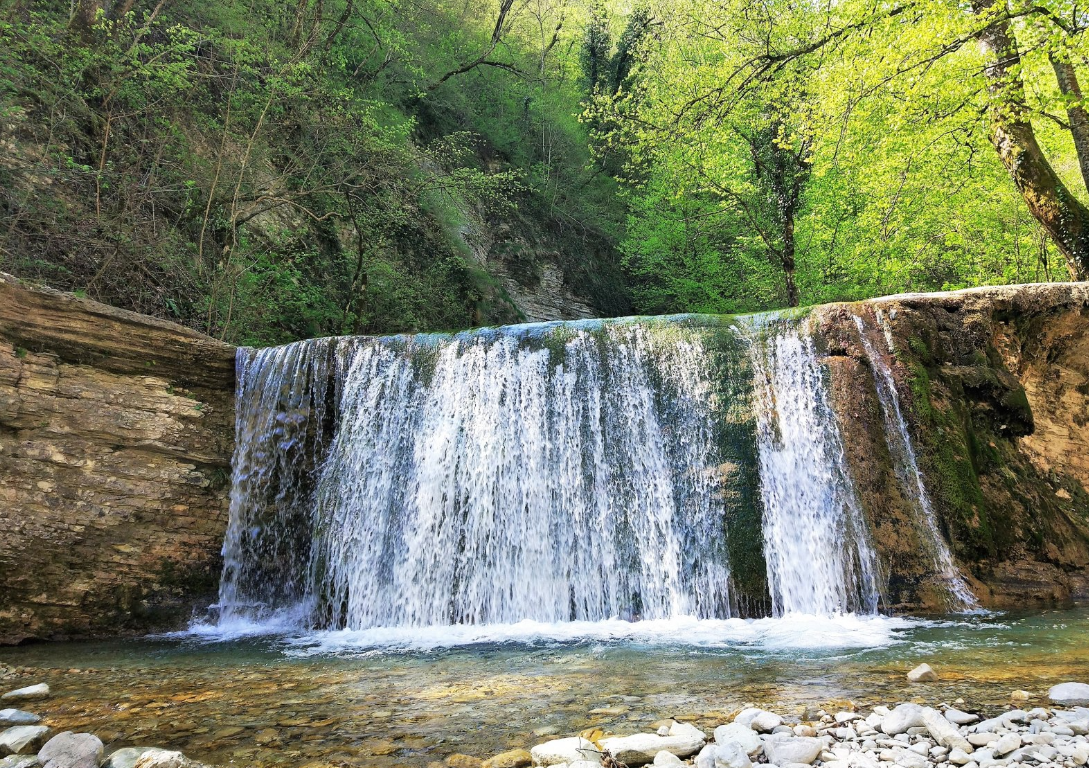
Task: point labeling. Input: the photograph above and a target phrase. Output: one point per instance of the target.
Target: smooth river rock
(666, 760)
(641, 748)
(126, 757)
(1069, 694)
(20, 761)
(944, 732)
(903, 717)
(781, 750)
(749, 740)
(72, 750)
(922, 674)
(9, 717)
(22, 739)
(29, 693)
(728, 755)
(161, 758)
(567, 750)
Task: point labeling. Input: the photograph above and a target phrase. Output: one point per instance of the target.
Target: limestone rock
(922, 674)
(641, 748)
(29, 693)
(126, 757)
(781, 750)
(729, 755)
(943, 731)
(71, 750)
(667, 760)
(22, 739)
(514, 758)
(741, 734)
(765, 722)
(901, 718)
(1069, 694)
(956, 717)
(161, 758)
(564, 751)
(10, 717)
(1005, 744)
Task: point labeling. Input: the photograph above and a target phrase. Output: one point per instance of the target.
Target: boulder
(900, 719)
(922, 674)
(72, 750)
(641, 748)
(781, 750)
(1069, 694)
(564, 751)
(514, 758)
(10, 717)
(29, 693)
(741, 734)
(22, 739)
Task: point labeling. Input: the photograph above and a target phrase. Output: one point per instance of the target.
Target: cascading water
(553, 472)
(816, 540)
(907, 470)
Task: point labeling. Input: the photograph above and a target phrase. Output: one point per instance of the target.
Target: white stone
(746, 715)
(920, 747)
(1068, 694)
(765, 722)
(664, 759)
(10, 717)
(860, 760)
(922, 674)
(729, 755)
(959, 757)
(982, 739)
(943, 731)
(1006, 744)
(847, 717)
(663, 731)
(686, 730)
(1080, 755)
(31, 692)
(564, 751)
(126, 757)
(903, 717)
(912, 760)
(72, 750)
(956, 717)
(781, 750)
(640, 748)
(22, 739)
(20, 761)
(801, 730)
(742, 734)
(162, 758)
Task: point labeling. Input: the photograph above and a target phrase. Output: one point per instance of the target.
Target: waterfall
(907, 469)
(555, 472)
(817, 544)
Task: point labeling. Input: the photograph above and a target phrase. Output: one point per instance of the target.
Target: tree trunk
(84, 16)
(1069, 87)
(1063, 216)
(787, 260)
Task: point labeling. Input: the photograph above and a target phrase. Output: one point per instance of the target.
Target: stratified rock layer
(116, 433)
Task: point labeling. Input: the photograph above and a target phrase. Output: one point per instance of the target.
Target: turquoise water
(412, 697)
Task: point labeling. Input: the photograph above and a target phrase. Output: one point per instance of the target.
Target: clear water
(408, 699)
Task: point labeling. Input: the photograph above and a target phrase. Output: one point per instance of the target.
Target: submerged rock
(22, 739)
(72, 750)
(1069, 694)
(514, 758)
(29, 693)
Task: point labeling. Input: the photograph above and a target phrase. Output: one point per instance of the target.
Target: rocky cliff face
(995, 384)
(116, 433)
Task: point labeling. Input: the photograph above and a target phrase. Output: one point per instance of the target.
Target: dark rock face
(995, 384)
(116, 433)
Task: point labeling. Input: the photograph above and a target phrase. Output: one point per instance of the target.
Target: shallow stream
(411, 697)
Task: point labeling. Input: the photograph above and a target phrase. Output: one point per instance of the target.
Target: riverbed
(270, 696)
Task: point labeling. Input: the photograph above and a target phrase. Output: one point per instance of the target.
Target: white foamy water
(960, 597)
(816, 540)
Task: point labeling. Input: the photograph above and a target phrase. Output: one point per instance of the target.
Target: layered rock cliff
(116, 433)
